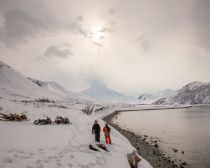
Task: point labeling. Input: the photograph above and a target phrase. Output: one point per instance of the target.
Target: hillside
(192, 93)
(14, 83)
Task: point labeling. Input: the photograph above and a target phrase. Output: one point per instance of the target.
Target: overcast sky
(132, 46)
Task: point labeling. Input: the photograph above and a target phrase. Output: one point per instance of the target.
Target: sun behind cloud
(97, 34)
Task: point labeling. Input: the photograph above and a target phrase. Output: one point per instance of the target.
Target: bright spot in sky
(97, 34)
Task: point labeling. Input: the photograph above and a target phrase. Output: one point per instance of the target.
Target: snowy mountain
(192, 93)
(150, 98)
(99, 92)
(14, 83)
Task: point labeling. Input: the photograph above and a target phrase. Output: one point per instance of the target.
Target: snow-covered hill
(14, 83)
(100, 93)
(192, 93)
(150, 98)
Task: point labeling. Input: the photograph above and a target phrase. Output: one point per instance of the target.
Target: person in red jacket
(106, 131)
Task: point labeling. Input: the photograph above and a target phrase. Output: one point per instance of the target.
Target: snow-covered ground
(24, 144)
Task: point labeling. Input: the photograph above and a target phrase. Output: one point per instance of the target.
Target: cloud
(112, 11)
(18, 26)
(55, 51)
(145, 41)
(200, 22)
(80, 18)
(97, 44)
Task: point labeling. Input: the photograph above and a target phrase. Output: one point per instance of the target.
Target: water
(184, 129)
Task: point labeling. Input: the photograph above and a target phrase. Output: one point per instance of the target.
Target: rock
(133, 159)
(175, 150)
(156, 145)
(184, 163)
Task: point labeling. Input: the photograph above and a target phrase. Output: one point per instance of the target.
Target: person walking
(106, 131)
(96, 129)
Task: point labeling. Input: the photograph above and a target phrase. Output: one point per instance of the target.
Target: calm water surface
(184, 129)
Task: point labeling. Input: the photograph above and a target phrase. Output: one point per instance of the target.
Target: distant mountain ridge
(192, 93)
(99, 92)
(14, 83)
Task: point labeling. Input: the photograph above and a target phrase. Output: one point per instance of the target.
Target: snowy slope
(192, 93)
(24, 145)
(14, 83)
(100, 93)
(13, 80)
(150, 98)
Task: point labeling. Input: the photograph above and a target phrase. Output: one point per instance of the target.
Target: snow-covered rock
(192, 93)
(150, 98)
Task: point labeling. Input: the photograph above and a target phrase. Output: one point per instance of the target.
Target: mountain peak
(97, 85)
(99, 92)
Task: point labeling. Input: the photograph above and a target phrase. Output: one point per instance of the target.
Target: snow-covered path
(24, 145)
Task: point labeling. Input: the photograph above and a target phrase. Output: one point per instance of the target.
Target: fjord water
(186, 129)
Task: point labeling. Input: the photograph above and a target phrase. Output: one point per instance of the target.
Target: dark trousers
(97, 137)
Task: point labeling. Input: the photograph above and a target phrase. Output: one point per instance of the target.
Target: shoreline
(151, 152)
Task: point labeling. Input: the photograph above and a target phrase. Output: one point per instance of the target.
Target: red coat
(106, 131)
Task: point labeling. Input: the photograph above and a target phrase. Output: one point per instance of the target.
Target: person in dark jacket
(96, 130)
